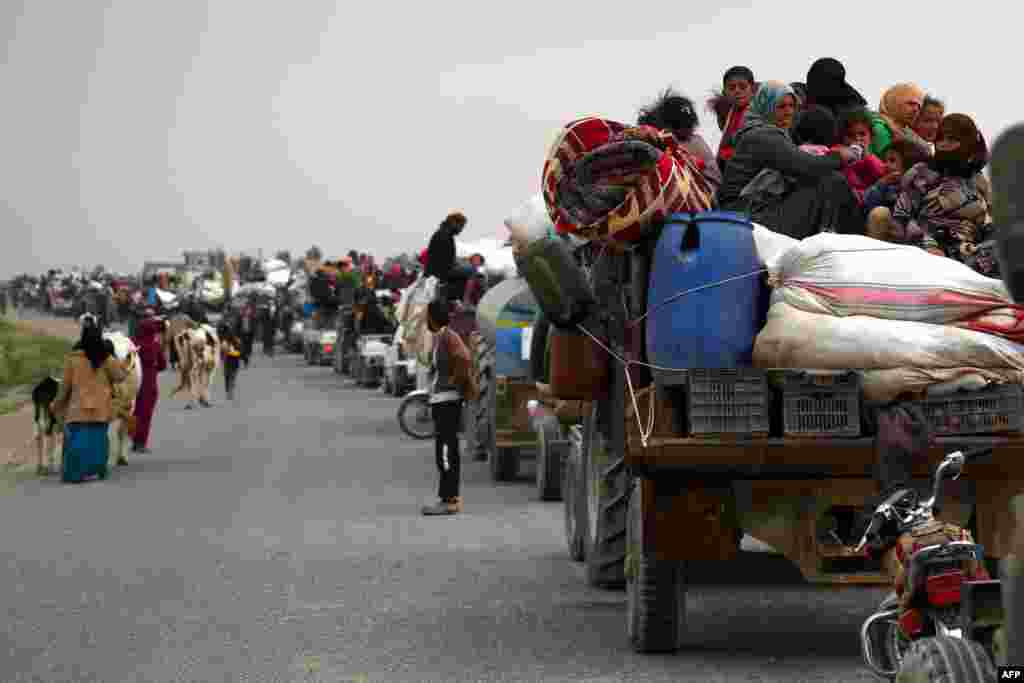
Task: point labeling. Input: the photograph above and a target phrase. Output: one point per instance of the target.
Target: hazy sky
(135, 129)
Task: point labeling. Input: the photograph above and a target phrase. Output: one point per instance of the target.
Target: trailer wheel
(480, 410)
(946, 660)
(655, 590)
(550, 459)
(574, 500)
(607, 494)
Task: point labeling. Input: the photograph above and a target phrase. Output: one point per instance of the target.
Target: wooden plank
(841, 457)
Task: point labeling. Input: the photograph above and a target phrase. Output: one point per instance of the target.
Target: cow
(122, 425)
(198, 358)
(46, 425)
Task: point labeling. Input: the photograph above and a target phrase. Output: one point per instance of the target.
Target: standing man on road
(450, 377)
(441, 251)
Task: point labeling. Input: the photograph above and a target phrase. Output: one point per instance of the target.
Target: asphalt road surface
(279, 539)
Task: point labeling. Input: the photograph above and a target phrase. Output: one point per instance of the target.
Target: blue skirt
(86, 445)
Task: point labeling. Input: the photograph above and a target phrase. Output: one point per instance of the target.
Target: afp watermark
(1010, 673)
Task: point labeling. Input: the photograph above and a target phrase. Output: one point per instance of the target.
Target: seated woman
(827, 87)
(897, 112)
(944, 205)
(676, 114)
(820, 199)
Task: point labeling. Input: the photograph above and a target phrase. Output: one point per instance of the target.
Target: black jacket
(441, 254)
(760, 146)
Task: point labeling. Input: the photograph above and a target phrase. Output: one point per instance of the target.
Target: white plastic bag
(853, 275)
(531, 222)
(771, 245)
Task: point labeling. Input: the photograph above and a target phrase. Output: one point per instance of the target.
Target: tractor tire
(551, 447)
(607, 489)
(655, 590)
(574, 499)
(480, 410)
(946, 660)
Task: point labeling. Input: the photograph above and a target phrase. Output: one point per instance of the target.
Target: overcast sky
(135, 129)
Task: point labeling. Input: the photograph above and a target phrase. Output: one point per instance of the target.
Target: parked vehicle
(499, 418)
(944, 606)
(320, 338)
(368, 361)
(414, 415)
(668, 450)
(399, 368)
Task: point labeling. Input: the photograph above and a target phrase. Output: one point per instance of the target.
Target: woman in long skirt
(86, 403)
(151, 357)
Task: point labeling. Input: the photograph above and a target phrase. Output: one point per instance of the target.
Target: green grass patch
(25, 359)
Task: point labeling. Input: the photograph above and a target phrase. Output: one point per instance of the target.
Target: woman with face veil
(86, 404)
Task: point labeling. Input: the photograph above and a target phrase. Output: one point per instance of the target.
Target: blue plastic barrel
(715, 326)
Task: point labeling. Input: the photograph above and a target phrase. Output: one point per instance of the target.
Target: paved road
(279, 540)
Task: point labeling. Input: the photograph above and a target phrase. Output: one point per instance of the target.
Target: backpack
(464, 372)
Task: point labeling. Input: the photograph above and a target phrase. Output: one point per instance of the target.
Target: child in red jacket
(855, 131)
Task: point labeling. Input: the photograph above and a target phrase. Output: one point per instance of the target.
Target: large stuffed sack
(845, 275)
(793, 338)
(603, 179)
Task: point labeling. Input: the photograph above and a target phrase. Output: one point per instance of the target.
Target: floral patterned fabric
(603, 179)
(948, 213)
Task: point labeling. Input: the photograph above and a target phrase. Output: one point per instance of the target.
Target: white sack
(771, 245)
(531, 221)
(796, 339)
(854, 275)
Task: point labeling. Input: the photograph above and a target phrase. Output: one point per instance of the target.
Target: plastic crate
(998, 408)
(734, 401)
(821, 404)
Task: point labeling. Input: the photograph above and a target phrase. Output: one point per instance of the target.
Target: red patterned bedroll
(603, 179)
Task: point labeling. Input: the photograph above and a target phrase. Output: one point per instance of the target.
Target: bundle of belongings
(914, 324)
(604, 179)
(415, 336)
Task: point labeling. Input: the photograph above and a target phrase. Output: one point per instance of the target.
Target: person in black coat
(441, 250)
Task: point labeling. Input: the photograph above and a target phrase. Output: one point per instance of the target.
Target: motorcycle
(414, 416)
(942, 619)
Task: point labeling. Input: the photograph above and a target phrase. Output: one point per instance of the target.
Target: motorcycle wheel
(946, 659)
(414, 417)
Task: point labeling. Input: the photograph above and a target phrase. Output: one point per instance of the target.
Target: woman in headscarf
(86, 403)
(817, 200)
(676, 114)
(944, 205)
(897, 112)
(153, 362)
(827, 87)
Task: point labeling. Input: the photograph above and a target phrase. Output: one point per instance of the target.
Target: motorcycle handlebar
(975, 453)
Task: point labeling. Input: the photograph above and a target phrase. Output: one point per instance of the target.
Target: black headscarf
(827, 86)
(96, 348)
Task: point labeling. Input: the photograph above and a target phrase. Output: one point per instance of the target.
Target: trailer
(499, 419)
(649, 490)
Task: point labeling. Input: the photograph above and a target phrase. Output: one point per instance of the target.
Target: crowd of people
(807, 157)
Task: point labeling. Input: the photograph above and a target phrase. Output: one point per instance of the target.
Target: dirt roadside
(16, 447)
